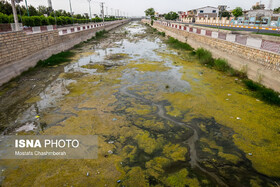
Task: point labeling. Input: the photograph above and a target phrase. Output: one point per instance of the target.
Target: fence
(271, 46)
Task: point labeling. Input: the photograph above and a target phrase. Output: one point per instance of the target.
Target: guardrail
(271, 46)
(66, 30)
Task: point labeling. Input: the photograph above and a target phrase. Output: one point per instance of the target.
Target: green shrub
(56, 59)
(51, 20)
(69, 20)
(37, 20)
(262, 92)
(4, 18)
(174, 43)
(59, 21)
(11, 19)
(27, 21)
(221, 65)
(204, 56)
(100, 34)
(44, 20)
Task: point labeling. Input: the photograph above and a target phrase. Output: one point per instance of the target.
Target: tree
(171, 16)
(32, 11)
(150, 12)
(43, 10)
(277, 10)
(5, 8)
(237, 12)
(256, 7)
(224, 14)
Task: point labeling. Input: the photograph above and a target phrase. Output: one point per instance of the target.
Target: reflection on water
(157, 117)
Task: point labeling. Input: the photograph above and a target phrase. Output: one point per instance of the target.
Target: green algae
(117, 56)
(148, 66)
(181, 179)
(147, 143)
(175, 152)
(219, 96)
(33, 99)
(74, 75)
(99, 67)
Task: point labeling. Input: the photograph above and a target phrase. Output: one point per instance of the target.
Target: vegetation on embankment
(56, 59)
(176, 44)
(98, 36)
(66, 55)
(205, 57)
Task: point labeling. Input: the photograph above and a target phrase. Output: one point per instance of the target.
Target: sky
(137, 7)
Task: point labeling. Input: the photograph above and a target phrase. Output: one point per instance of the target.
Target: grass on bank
(176, 44)
(263, 93)
(56, 59)
(269, 34)
(98, 35)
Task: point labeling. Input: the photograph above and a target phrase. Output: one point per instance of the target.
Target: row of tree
(37, 16)
(50, 20)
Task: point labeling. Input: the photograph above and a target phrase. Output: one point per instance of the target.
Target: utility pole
(71, 11)
(15, 15)
(27, 8)
(102, 10)
(89, 9)
(106, 11)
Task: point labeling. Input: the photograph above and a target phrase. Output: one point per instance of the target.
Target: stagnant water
(161, 118)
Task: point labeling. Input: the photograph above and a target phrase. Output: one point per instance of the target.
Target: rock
(229, 94)
(238, 118)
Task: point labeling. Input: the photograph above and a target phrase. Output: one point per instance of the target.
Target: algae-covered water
(161, 118)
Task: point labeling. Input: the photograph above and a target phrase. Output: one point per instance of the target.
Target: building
(207, 11)
(260, 12)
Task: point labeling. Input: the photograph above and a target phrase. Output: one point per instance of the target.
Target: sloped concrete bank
(20, 51)
(262, 66)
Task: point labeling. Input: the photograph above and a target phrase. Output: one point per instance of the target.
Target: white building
(207, 11)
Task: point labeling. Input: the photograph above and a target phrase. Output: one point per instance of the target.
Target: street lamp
(89, 9)
(15, 14)
(71, 11)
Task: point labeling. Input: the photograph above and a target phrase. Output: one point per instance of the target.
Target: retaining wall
(20, 50)
(260, 58)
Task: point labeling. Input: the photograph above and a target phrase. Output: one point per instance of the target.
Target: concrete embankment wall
(261, 65)
(19, 50)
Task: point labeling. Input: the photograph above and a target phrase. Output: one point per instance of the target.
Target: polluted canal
(162, 119)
